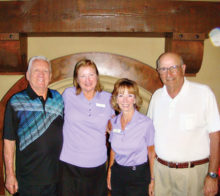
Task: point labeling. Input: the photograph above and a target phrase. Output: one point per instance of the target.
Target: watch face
(213, 175)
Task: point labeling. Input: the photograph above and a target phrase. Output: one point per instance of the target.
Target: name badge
(101, 105)
(116, 130)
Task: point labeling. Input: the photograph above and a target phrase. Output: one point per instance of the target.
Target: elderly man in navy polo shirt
(33, 123)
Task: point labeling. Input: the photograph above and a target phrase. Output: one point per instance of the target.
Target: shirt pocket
(188, 122)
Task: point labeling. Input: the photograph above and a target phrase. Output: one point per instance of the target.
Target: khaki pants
(179, 182)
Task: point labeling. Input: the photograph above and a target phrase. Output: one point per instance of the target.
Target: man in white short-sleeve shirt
(187, 124)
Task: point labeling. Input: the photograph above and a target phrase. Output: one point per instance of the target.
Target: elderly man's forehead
(170, 57)
(38, 61)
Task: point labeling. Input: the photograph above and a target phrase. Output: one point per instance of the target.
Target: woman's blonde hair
(85, 63)
(132, 87)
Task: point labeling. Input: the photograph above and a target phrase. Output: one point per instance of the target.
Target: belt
(135, 167)
(177, 165)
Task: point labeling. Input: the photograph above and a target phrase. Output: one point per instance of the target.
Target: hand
(211, 186)
(109, 180)
(11, 184)
(151, 188)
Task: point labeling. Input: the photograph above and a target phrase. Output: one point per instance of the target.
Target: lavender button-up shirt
(84, 128)
(130, 145)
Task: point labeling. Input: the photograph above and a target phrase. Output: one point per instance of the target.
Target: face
(172, 79)
(87, 79)
(39, 76)
(126, 100)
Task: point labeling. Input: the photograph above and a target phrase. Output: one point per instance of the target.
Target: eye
(163, 69)
(120, 95)
(92, 75)
(131, 95)
(173, 67)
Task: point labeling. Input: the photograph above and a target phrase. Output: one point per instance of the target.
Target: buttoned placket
(43, 104)
(172, 109)
(90, 109)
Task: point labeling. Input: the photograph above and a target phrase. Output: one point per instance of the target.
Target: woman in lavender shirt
(132, 144)
(87, 110)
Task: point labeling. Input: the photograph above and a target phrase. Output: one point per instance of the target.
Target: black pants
(130, 181)
(38, 190)
(78, 181)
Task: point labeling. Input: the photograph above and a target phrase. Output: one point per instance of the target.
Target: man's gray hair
(34, 58)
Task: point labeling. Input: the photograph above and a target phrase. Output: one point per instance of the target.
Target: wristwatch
(213, 175)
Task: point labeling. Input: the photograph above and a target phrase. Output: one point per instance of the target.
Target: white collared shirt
(182, 125)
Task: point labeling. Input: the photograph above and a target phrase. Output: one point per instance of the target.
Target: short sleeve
(212, 113)
(150, 133)
(10, 123)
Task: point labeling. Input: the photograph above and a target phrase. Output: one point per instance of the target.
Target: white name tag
(102, 105)
(117, 130)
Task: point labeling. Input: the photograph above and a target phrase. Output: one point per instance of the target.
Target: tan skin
(174, 83)
(87, 80)
(126, 103)
(38, 77)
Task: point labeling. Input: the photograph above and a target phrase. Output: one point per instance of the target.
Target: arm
(9, 152)
(211, 185)
(151, 156)
(109, 127)
(111, 161)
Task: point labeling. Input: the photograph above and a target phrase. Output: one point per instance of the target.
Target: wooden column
(190, 46)
(13, 52)
(13, 57)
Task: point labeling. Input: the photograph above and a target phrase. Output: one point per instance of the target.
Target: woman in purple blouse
(87, 110)
(132, 144)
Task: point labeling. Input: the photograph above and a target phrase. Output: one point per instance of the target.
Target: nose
(125, 98)
(41, 73)
(169, 73)
(88, 78)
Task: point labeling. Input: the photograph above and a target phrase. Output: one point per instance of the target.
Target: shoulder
(197, 88)
(157, 94)
(115, 119)
(55, 94)
(18, 95)
(105, 94)
(143, 118)
(69, 90)
(196, 85)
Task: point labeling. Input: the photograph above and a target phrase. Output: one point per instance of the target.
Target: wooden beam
(108, 16)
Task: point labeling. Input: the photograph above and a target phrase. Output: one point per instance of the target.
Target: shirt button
(89, 115)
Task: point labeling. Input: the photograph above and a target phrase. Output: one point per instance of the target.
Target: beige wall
(144, 49)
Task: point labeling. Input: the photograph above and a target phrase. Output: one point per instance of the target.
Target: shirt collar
(95, 98)
(31, 93)
(134, 117)
(182, 90)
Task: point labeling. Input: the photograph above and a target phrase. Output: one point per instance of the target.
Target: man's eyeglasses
(172, 69)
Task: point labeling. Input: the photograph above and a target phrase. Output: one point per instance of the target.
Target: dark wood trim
(112, 16)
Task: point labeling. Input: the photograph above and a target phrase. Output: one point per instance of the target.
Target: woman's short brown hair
(132, 87)
(85, 63)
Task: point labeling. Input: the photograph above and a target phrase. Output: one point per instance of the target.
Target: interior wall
(146, 50)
